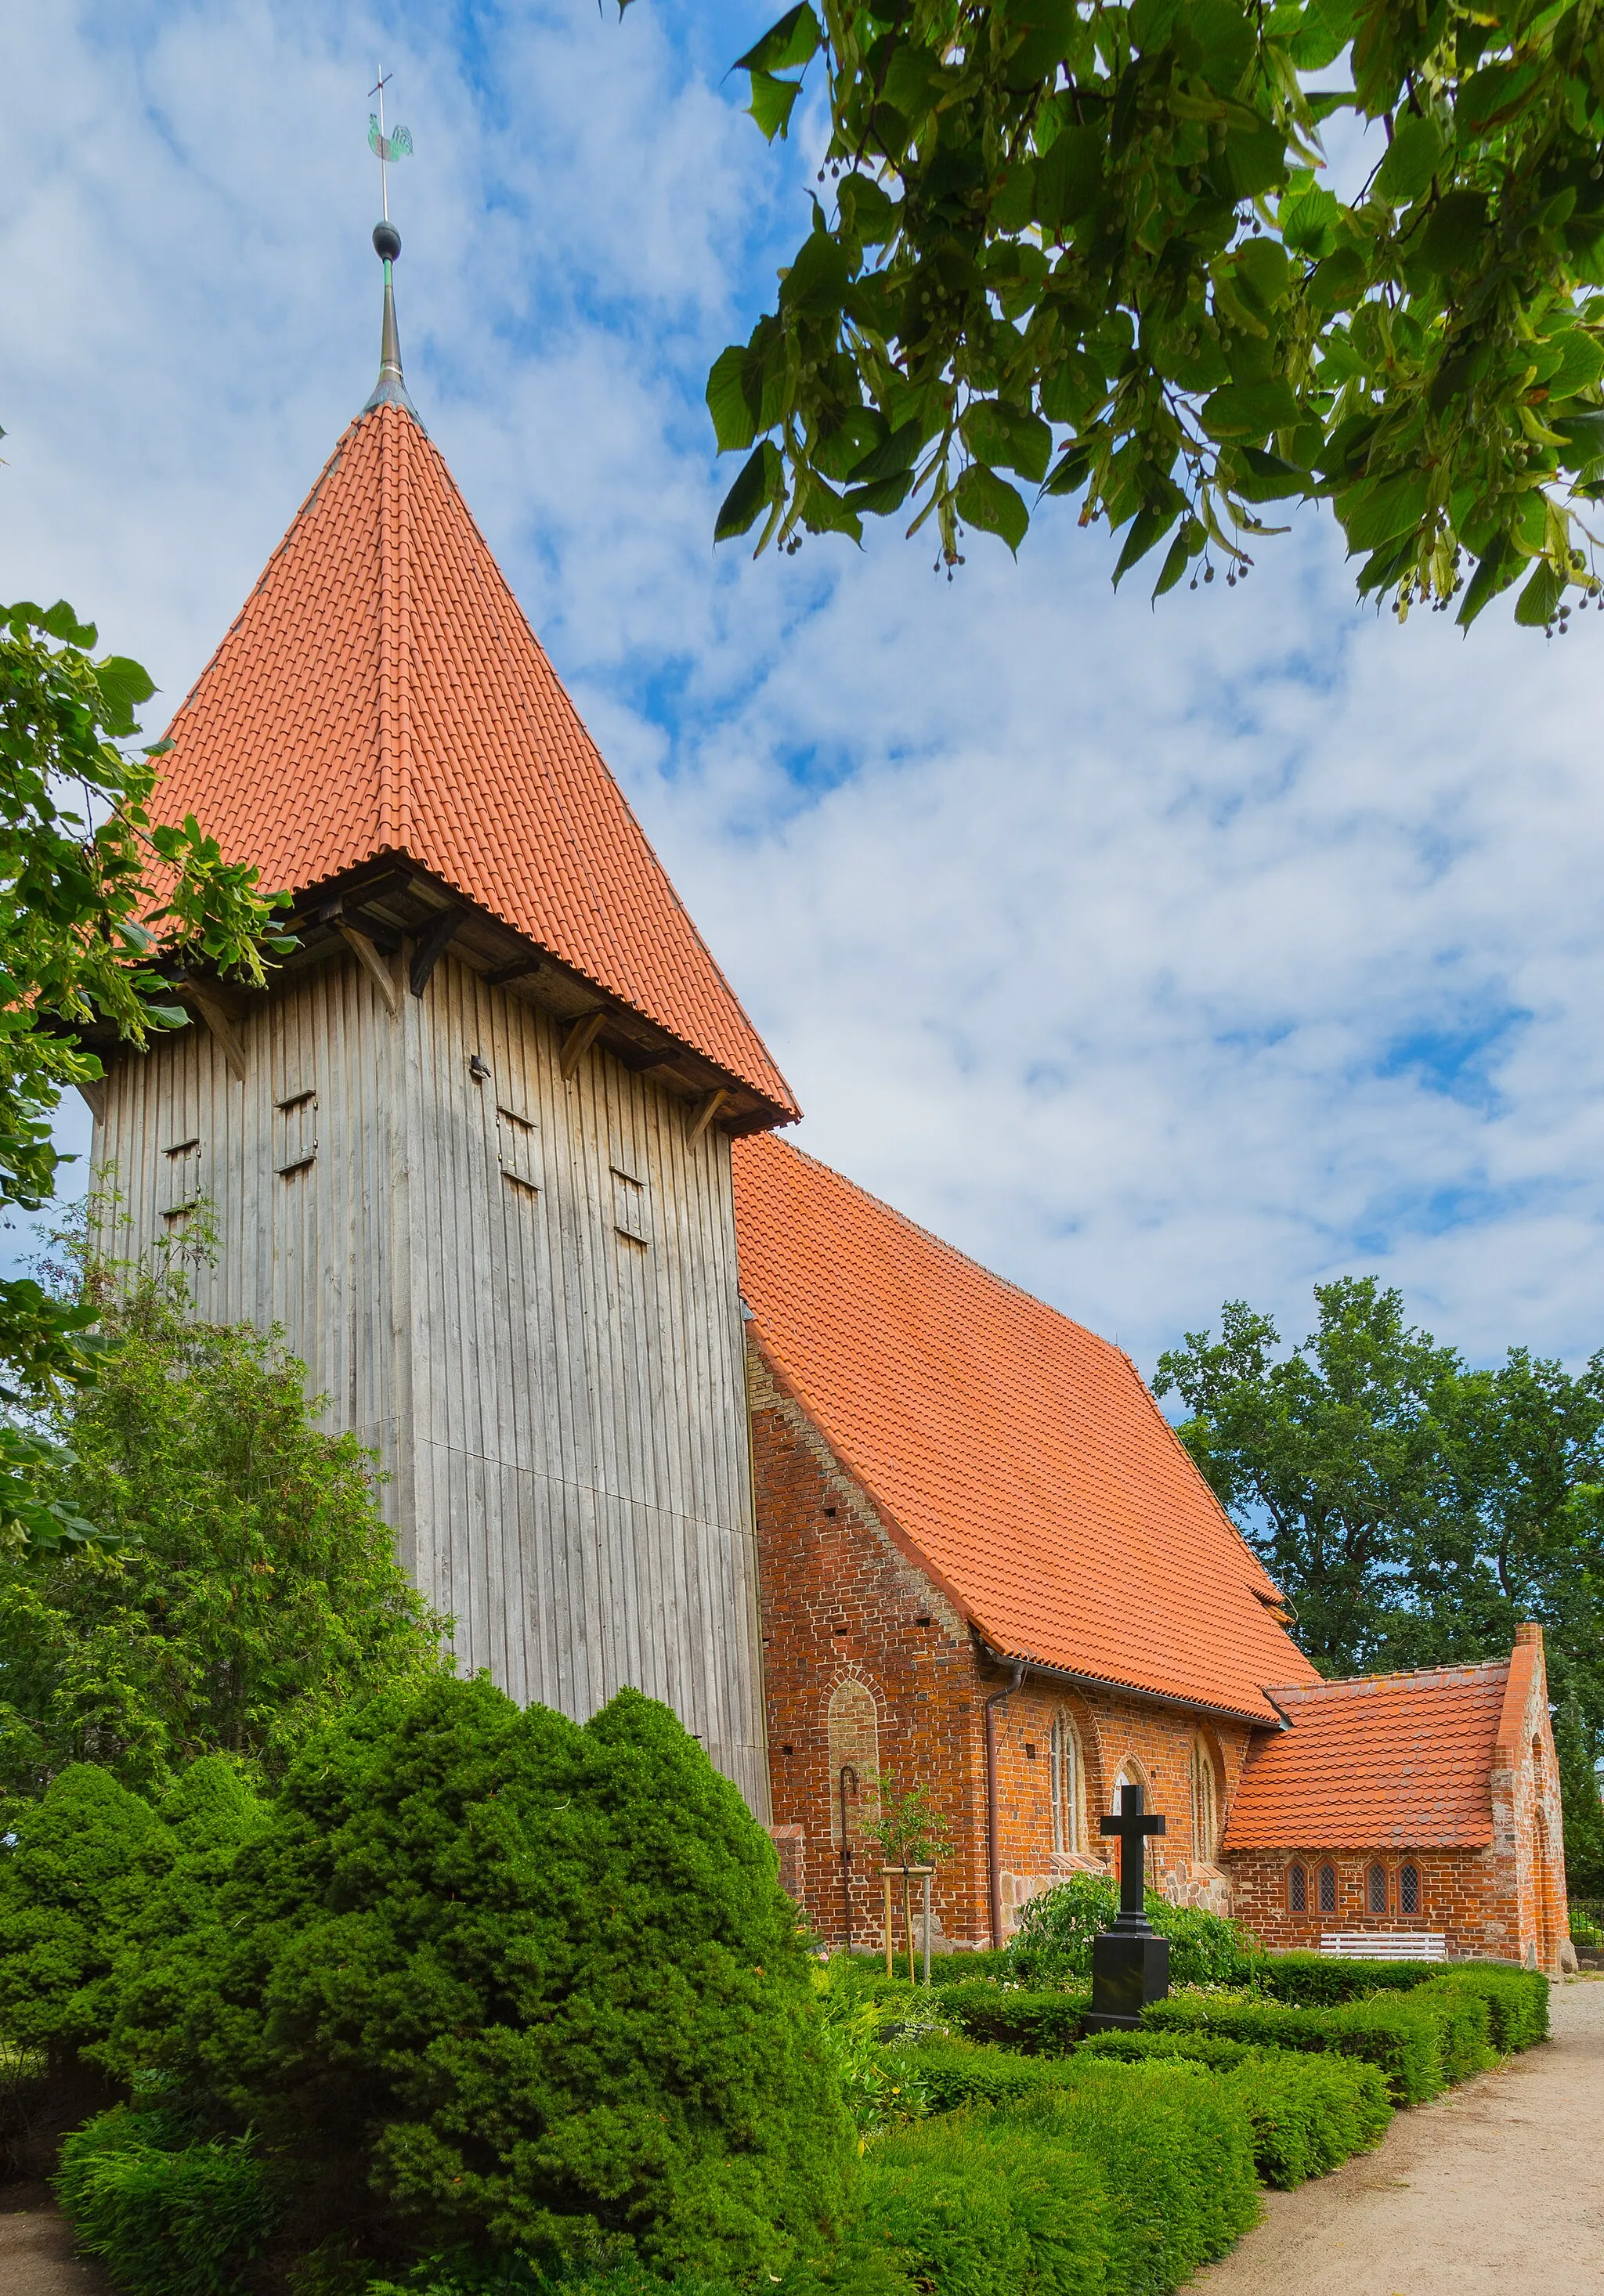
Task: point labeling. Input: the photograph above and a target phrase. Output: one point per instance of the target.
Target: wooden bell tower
(472, 1150)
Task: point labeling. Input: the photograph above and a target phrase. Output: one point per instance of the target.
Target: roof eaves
(1274, 1720)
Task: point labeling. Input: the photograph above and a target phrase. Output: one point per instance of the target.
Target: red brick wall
(843, 1603)
(1459, 1897)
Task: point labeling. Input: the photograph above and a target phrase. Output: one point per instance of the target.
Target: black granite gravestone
(1131, 1961)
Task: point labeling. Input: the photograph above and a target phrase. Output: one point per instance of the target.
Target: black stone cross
(1132, 1829)
(1130, 1965)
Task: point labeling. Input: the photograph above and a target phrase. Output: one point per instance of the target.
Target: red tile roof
(380, 692)
(1016, 1456)
(1382, 1761)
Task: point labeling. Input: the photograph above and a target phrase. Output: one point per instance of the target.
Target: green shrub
(1136, 2048)
(1517, 1999)
(1395, 2035)
(96, 1884)
(985, 2210)
(508, 1981)
(952, 2074)
(1462, 2013)
(84, 1861)
(1056, 1929)
(963, 1968)
(1309, 2113)
(165, 2218)
(256, 1588)
(1175, 2151)
(1040, 2023)
(1317, 1980)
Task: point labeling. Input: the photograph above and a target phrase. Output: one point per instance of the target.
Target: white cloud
(1152, 957)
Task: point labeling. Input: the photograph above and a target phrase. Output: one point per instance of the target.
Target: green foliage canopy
(1055, 1931)
(520, 1982)
(1087, 247)
(98, 905)
(248, 1584)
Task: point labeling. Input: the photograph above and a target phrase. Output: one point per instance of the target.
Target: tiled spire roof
(380, 693)
(1018, 1457)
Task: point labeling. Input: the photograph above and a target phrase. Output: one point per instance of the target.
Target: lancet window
(1068, 1786)
(1205, 1820)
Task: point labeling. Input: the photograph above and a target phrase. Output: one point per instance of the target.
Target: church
(659, 1399)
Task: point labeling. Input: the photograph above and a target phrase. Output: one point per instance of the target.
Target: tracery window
(1375, 1890)
(1068, 1786)
(1325, 1885)
(1206, 1824)
(1409, 1888)
(1297, 1889)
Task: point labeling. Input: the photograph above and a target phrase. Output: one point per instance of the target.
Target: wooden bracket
(374, 966)
(579, 1040)
(92, 1091)
(213, 1005)
(519, 969)
(707, 1109)
(432, 947)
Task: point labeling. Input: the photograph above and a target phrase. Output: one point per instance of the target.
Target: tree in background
(1089, 246)
(244, 1585)
(1414, 1510)
(98, 905)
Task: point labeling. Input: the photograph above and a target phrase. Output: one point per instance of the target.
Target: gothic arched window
(1297, 1889)
(853, 1729)
(1409, 1888)
(1068, 1786)
(1206, 1823)
(1375, 1890)
(1325, 1885)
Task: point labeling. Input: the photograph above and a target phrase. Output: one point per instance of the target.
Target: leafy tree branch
(99, 903)
(1080, 250)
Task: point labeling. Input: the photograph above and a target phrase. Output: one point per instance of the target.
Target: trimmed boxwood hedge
(1309, 2112)
(1171, 2185)
(1400, 2037)
(984, 2210)
(1038, 2023)
(1317, 1980)
(952, 2074)
(1517, 1999)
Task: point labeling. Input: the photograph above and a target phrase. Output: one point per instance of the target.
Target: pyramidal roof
(380, 693)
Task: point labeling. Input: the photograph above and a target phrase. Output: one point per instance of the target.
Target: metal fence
(1587, 1923)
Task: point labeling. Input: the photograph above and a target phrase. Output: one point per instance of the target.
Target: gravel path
(35, 2248)
(1496, 2187)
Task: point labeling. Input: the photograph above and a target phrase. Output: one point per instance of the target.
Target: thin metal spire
(391, 388)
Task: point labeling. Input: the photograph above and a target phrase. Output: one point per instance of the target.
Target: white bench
(1368, 1945)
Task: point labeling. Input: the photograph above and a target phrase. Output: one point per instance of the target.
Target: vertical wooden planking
(559, 1409)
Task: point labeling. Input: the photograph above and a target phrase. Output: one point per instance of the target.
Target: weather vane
(397, 146)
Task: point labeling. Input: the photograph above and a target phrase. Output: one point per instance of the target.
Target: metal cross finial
(397, 146)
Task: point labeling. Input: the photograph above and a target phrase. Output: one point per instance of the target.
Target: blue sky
(1154, 957)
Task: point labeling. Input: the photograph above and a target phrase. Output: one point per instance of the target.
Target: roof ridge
(1399, 1674)
(954, 1252)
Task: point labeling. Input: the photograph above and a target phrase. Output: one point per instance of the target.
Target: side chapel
(664, 1401)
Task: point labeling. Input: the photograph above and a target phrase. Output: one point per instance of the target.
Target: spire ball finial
(387, 242)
